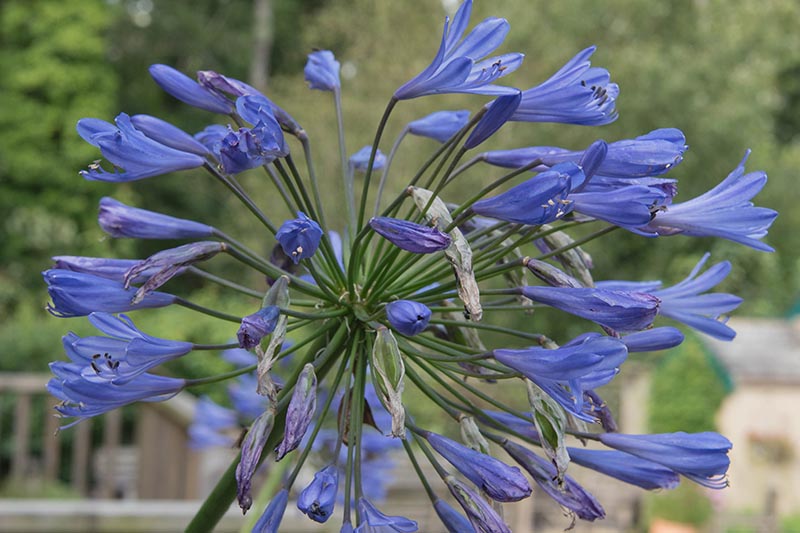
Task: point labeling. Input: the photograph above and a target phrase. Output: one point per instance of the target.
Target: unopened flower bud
(299, 237)
(408, 317)
(252, 447)
(410, 236)
(300, 411)
(322, 71)
(388, 372)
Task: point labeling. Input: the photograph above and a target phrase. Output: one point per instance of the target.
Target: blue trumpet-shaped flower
(570, 494)
(408, 317)
(374, 521)
(628, 206)
(499, 481)
(137, 154)
(322, 71)
(360, 159)
(651, 154)
(576, 94)
(410, 236)
(459, 66)
(120, 220)
(685, 303)
(701, 457)
(319, 497)
(538, 200)
(83, 398)
(189, 91)
(270, 521)
(126, 352)
(626, 467)
(299, 237)
(725, 211)
(621, 311)
(440, 125)
(78, 294)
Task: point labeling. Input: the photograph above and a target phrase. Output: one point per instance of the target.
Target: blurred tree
(55, 71)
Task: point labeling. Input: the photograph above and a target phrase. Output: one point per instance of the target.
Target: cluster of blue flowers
(401, 299)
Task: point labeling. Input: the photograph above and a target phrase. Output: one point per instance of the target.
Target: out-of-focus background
(726, 72)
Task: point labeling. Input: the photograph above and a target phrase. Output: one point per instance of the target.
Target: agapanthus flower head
(360, 160)
(726, 211)
(439, 125)
(366, 317)
(410, 236)
(701, 457)
(459, 65)
(137, 154)
(299, 237)
(189, 91)
(322, 71)
(319, 497)
(539, 200)
(123, 221)
(577, 94)
(408, 317)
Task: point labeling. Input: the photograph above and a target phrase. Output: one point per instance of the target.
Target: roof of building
(765, 350)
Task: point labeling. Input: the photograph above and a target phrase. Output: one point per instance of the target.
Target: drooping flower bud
(257, 326)
(300, 411)
(299, 237)
(270, 521)
(169, 263)
(388, 371)
(410, 236)
(319, 497)
(408, 317)
(481, 515)
(252, 447)
(322, 71)
(498, 480)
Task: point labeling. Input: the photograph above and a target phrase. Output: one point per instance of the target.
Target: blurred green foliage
(687, 389)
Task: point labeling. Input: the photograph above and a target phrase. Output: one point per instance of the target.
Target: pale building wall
(762, 422)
